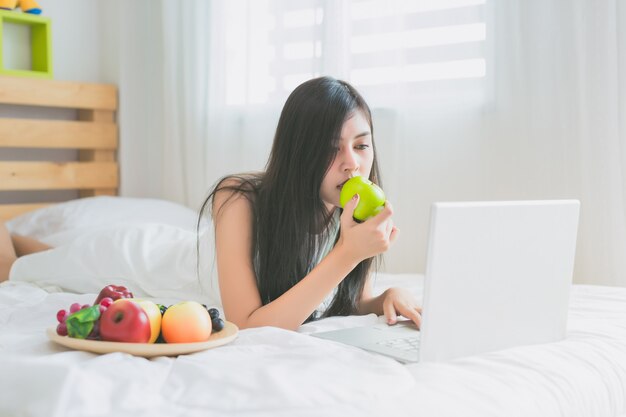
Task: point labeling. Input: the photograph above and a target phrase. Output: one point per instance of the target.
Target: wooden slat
(55, 93)
(97, 192)
(58, 176)
(96, 156)
(99, 117)
(8, 211)
(56, 134)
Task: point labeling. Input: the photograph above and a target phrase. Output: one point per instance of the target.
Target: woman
(283, 244)
(13, 246)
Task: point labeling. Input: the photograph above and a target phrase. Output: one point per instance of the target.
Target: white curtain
(205, 137)
(560, 118)
(472, 100)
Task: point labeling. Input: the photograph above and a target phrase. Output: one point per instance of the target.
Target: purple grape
(95, 332)
(61, 316)
(218, 324)
(214, 313)
(62, 329)
(74, 308)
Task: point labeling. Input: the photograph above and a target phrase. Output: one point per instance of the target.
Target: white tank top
(208, 264)
(319, 311)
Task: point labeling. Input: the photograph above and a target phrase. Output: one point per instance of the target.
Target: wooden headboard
(94, 134)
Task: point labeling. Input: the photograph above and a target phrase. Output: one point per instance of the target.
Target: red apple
(114, 292)
(125, 322)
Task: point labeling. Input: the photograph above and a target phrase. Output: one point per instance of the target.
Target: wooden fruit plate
(146, 350)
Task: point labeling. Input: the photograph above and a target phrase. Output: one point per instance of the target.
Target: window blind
(385, 48)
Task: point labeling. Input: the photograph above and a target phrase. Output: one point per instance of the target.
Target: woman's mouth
(340, 186)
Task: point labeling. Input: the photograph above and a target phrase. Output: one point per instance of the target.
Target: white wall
(130, 56)
(75, 40)
(91, 39)
(76, 56)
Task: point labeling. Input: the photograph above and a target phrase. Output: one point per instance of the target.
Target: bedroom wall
(96, 41)
(75, 57)
(130, 56)
(75, 40)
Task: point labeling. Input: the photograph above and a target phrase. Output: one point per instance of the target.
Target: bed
(148, 245)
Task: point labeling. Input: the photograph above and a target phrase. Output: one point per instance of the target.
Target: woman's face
(354, 156)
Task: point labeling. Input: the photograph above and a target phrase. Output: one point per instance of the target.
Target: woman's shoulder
(239, 189)
(241, 183)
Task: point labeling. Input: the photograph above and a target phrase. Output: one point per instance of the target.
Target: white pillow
(62, 223)
(152, 260)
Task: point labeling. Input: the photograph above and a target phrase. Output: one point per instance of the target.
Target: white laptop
(498, 275)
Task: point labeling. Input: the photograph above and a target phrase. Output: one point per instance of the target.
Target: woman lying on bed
(286, 252)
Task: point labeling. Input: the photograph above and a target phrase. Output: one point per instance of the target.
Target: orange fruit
(186, 322)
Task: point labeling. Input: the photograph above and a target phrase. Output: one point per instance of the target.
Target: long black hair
(290, 221)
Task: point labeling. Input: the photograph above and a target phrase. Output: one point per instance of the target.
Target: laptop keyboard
(408, 344)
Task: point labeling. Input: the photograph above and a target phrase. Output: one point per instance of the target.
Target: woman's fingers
(384, 214)
(411, 313)
(388, 227)
(398, 301)
(369, 238)
(394, 234)
(348, 210)
(414, 316)
(390, 312)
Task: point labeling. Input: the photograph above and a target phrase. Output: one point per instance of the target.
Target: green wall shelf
(40, 44)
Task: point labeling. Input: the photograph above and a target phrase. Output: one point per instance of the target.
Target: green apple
(371, 197)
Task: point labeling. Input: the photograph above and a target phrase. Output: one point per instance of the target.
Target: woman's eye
(362, 147)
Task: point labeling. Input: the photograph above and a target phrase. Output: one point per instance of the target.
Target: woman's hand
(398, 301)
(370, 238)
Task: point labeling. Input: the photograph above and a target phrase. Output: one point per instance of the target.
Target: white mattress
(274, 372)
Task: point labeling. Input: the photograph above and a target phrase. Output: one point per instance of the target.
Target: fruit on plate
(114, 292)
(81, 323)
(119, 317)
(154, 315)
(371, 197)
(186, 322)
(125, 322)
(153, 312)
(216, 322)
(77, 318)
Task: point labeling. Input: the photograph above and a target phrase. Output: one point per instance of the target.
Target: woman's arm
(7, 253)
(239, 292)
(368, 303)
(13, 246)
(26, 245)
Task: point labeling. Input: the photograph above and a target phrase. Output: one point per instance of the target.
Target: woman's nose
(350, 162)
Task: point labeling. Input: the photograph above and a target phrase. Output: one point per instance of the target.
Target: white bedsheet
(273, 372)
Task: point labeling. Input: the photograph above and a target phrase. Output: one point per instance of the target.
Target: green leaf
(80, 323)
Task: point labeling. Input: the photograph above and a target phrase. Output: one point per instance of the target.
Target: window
(390, 48)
